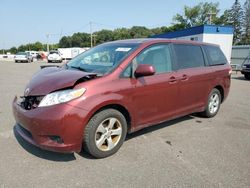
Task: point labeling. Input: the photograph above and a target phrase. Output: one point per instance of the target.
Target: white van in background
(69, 53)
(34, 54)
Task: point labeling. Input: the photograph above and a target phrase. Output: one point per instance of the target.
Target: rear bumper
(22, 59)
(43, 126)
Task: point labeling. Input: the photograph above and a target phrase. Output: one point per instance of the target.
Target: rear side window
(215, 55)
(188, 56)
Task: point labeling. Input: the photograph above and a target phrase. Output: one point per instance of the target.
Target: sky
(28, 21)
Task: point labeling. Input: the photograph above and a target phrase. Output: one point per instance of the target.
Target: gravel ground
(186, 152)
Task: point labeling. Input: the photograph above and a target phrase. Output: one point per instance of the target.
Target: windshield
(103, 58)
(21, 53)
(53, 52)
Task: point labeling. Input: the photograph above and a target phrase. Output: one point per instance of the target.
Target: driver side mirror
(144, 70)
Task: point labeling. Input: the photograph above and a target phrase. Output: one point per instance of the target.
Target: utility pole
(3, 47)
(47, 36)
(91, 34)
(94, 39)
(210, 14)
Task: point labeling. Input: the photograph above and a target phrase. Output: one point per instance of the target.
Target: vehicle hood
(51, 79)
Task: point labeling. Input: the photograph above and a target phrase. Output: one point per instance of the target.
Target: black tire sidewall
(207, 112)
(89, 136)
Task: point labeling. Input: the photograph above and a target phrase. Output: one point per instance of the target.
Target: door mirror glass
(144, 70)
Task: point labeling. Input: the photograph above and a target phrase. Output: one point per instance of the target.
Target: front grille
(248, 66)
(31, 102)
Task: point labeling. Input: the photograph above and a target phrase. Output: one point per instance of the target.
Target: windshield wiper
(82, 69)
(79, 68)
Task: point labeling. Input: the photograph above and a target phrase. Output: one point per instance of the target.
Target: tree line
(238, 16)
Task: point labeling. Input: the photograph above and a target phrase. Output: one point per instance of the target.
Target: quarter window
(188, 56)
(215, 55)
(127, 73)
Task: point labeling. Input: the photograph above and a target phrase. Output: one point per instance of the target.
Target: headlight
(61, 96)
(244, 66)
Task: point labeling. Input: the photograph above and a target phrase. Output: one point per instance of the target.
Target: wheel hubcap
(108, 134)
(214, 103)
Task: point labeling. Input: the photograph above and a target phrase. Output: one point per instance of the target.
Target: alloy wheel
(108, 134)
(214, 103)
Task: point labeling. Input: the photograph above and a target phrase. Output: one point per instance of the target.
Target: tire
(213, 104)
(105, 133)
(247, 76)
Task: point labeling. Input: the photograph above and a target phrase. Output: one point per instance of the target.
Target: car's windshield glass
(103, 58)
(53, 52)
(21, 53)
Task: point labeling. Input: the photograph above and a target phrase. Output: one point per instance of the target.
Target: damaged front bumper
(56, 128)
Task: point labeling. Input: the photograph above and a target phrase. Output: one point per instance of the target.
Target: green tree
(80, 40)
(156, 30)
(197, 15)
(103, 36)
(65, 42)
(22, 48)
(223, 19)
(246, 23)
(36, 46)
(13, 50)
(236, 18)
(139, 32)
(121, 33)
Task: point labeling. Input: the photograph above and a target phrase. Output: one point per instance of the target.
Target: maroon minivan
(118, 87)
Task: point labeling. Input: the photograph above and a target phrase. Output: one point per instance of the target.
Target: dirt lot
(187, 152)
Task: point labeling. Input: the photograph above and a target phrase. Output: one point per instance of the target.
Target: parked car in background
(23, 57)
(54, 56)
(245, 68)
(34, 54)
(118, 87)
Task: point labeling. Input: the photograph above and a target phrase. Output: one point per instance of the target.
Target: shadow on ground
(62, 157)
(158, 126)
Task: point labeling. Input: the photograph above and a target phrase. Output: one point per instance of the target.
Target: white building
(221, 35)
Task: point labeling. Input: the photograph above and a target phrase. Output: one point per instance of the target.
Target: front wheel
(213, 103)
(105, 133)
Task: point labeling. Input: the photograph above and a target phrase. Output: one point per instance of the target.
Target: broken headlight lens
(61, 96)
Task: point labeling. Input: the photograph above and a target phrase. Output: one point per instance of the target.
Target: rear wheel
(105, 133)
(213, 104)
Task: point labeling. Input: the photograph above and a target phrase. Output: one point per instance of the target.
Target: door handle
(184, 77)
(172, 80)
